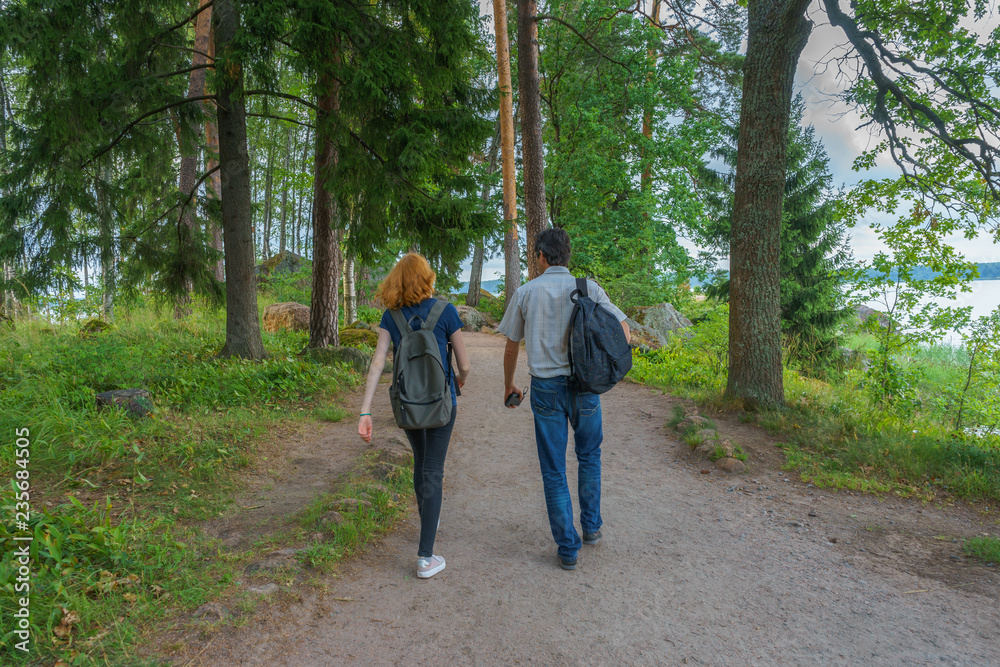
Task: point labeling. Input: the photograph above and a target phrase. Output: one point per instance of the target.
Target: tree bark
(188, 148)
(243, 336)
(778, 31)
(511, 247)
(350, 291)
(531, 128)
(107, 242)
(326, 224)
(646, 180)
(364, 296)
(284, 192)
(213, 190)
(268, 190)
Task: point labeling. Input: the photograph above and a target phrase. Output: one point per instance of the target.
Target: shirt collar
(556, 269)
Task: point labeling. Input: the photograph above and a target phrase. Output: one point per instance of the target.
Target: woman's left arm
(461, 358)
(374, 373)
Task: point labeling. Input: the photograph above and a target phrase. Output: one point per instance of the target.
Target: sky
(819, 80)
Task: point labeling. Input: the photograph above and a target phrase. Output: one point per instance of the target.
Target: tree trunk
(511, 248)
(107, 242)
(364, 295)
(476, 279)
(243, 337)
(268, 190)
(213, 191)
(646, 181)
(350, 291)
(284, 192)
(188, 148)
(778, 31)
(326, 225)
(531, 128)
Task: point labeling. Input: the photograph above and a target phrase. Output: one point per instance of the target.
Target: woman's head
(410, 282)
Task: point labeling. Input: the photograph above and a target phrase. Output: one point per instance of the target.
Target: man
(540, 315)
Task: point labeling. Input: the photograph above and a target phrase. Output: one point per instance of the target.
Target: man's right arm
(510, 352)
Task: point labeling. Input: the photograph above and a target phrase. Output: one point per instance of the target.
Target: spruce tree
(813, 244)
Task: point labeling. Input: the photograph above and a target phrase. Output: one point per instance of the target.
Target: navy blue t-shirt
(447, 324)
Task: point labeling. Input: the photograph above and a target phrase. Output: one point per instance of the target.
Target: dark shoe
(567, 564)
(592, 538)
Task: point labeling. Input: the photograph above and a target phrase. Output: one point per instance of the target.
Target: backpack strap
(580, 291)
(432, 318)
(401, 323)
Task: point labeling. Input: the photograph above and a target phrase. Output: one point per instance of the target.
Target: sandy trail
(694, 568)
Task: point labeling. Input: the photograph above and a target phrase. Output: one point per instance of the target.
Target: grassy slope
(114, 498)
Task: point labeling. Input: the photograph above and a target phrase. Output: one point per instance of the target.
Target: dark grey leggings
(430, 446)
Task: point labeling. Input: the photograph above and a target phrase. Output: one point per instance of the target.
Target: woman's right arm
(374, 374)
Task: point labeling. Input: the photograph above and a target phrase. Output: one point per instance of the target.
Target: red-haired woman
(409, 287)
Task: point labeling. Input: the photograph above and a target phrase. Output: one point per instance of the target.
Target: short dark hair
(554, 245)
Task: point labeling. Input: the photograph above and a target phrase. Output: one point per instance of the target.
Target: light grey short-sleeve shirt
(540, 316)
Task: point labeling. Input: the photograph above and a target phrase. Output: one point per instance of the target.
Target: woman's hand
(460, 381)
(365, 428)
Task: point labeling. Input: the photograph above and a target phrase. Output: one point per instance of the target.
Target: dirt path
(694, 568)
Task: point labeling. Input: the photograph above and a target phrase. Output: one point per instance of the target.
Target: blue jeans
(554, 403)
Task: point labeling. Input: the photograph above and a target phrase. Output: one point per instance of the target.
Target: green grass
(836, 434)
(984, 547)
(113, 498)
(389, 499)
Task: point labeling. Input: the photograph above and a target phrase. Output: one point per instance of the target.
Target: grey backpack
(420, 393)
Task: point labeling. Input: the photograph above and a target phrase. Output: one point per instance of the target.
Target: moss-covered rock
(95, 325)
(356, 337)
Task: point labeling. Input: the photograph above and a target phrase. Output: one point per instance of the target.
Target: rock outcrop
(472, 319)
(287, 315)
(656, 323)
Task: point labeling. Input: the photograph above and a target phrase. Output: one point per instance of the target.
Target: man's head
(554, 246)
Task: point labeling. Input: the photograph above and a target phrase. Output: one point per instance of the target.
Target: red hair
(410, 282)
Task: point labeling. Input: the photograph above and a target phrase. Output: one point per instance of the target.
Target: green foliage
(623, 196)
(889, 281)
(694, 360)
(984, 547)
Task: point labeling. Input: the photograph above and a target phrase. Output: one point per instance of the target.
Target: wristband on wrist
(366, 414)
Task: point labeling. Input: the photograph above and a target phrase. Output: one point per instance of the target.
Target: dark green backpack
(420, 393)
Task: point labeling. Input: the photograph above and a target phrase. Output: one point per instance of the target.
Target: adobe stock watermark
(22, 538)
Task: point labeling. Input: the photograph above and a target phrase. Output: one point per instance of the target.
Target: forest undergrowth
(847, 424)
(115, 499)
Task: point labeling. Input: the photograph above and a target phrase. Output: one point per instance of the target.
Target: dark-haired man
(540, 315)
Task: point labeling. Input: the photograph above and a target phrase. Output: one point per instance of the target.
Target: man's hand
(510, 352)
(511, 389)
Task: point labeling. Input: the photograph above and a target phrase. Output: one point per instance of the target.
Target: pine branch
(545, 17)
(194, 15)
(204, 177)
(286, 96)
(290, 120)
(182, 71)
(141, 118)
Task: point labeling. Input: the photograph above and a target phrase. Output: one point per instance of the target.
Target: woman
(408, 288)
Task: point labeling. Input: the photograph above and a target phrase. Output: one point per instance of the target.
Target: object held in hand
(514, 400)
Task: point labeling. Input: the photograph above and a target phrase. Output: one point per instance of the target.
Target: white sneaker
(428, 567)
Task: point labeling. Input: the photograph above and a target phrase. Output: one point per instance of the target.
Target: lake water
(984, 298)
